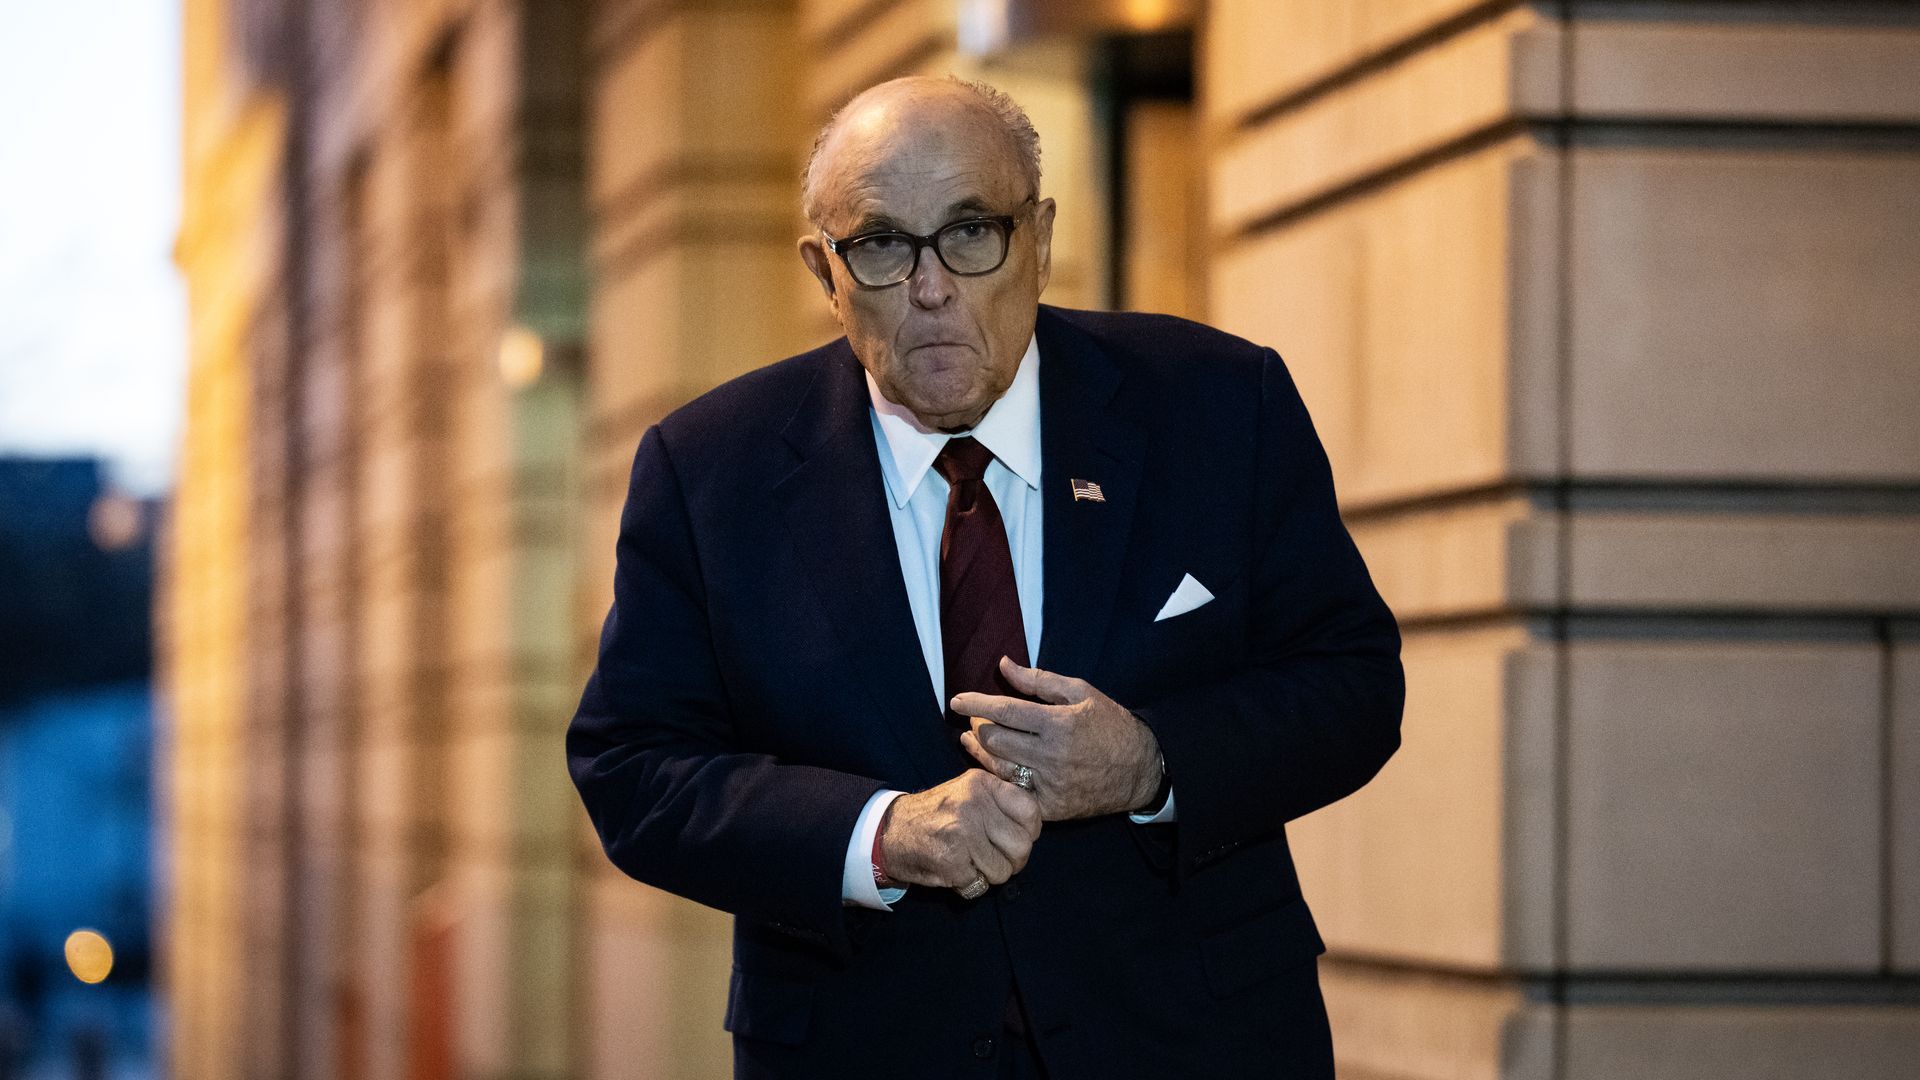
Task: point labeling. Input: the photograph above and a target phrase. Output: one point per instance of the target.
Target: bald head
(933, 177)
(875, 120)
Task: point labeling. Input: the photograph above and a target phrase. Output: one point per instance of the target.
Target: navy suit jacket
(759, 677)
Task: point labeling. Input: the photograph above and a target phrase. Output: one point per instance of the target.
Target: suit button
(983, 1047)
(1010, 890)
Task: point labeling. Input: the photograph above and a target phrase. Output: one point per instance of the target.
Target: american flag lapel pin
(1088, 490)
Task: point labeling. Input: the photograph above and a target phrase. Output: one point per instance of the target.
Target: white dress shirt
(917, 507)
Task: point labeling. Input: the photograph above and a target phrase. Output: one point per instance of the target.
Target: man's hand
(974, 825)
(1089, 755)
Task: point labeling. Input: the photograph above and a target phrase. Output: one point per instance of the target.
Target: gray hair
(1013, 119)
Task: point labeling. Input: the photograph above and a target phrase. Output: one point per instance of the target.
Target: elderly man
(977, 660)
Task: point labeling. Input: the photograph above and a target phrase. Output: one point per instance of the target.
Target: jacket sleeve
(652, 748)
(1315, 713)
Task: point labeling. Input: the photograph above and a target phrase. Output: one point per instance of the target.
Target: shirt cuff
(1159, 817)
(856, 877)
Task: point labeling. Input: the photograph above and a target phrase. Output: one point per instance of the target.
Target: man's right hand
(974, 825)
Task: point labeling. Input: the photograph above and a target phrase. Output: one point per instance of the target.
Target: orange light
(1148, 14)
(89, 956)
(522, 355)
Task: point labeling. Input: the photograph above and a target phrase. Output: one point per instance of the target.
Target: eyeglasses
(968, 247)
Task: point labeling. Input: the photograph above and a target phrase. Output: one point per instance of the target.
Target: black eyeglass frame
(1007, 222)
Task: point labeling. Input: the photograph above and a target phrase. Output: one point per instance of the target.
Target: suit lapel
(834, 505)
(1083, 437)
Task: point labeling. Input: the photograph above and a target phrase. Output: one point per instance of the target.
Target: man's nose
(931, 283)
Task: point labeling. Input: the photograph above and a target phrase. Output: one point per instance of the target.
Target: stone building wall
(1605, 315)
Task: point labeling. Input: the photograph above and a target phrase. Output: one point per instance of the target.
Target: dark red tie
(979, 600)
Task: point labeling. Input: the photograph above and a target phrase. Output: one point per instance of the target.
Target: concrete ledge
(1741, 1043)
(1771, 562)
(1410, 1025)
(1746, 71)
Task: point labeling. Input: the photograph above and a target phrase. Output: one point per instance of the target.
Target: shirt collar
(1011, 429)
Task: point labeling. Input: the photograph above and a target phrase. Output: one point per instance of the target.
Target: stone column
(694, 173)
(232, 129)
(1606, 315)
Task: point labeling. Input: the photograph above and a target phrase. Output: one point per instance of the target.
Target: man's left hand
(1088, 754)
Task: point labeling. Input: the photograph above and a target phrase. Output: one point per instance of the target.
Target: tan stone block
(1720, 801)
(758, 200)
(1533, 779)
(849, 56)
(386, 642)
(1743, 314)
(638, 125)
(819, 18)
(658, 341)
(1773, 562)
(483, 810)
(1741, 1042)
(656, 983)
(744, 117)
(1256, 52)
(1416, 1025)
(387, 492)
(1904, 828)
(663, 109)
(1410, 867)
(637, 337)
(1443, 561)
(482, 442)
(479, 625)
(385, 800)
(1404, 369)
(1461, 86)
(755, 332)
(380, 956)
(482, 698)
(475, 900)
(1746, 70)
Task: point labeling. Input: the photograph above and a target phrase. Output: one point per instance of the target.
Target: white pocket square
(1191, 594)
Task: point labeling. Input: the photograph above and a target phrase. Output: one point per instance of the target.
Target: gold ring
(975, 889)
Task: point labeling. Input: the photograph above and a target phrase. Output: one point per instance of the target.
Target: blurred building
(1605, 313)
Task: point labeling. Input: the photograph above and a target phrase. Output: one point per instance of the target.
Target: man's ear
(814, 254)
(1043, 241)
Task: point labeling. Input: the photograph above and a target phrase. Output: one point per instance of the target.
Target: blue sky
(92, 313)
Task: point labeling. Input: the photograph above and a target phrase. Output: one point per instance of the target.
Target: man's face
(942, 344)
